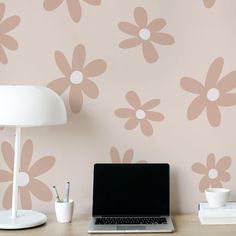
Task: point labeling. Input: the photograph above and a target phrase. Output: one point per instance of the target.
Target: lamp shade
(28, 106)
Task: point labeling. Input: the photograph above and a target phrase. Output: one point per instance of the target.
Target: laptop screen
(131, 189)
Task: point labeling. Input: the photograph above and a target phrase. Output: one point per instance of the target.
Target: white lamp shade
(28, 106)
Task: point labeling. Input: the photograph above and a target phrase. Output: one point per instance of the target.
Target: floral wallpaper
(214, 173)
(213, 94)
(127, 158)
(27, 181)
(140, 114)
(145, 33)
(73, 6)
(76, 77)
(7, 41)
(142, 81)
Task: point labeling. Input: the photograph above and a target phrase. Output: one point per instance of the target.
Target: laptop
(131, 198)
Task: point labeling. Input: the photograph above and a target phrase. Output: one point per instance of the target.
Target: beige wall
(192, 44)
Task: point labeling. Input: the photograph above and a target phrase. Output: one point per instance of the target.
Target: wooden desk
(185, 225)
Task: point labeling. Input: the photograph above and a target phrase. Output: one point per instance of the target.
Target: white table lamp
(26, 106)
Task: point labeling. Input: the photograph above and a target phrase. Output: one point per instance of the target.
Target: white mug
(217, 197)
(64, 211)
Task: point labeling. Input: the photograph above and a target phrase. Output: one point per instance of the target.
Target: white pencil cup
(64, 211)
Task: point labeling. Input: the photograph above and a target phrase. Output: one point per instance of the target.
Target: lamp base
(24, 219)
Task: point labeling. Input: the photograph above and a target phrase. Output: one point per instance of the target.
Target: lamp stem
(16, 172)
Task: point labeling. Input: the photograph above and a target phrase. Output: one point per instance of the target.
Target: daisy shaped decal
(29, 184)
(73, 7)
(212, 95)
(145, 34)
(140, 114)
(77, 77)
(7, 41)
(213, 173)
(127, 158)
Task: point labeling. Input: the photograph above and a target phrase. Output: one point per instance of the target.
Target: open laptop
(131, 198)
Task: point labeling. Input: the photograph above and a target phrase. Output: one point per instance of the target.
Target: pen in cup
(57, 195)
(66, 199)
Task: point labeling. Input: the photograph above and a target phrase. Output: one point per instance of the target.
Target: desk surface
(185, 225)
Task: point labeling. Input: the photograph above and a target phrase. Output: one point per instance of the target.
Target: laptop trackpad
(131, 227)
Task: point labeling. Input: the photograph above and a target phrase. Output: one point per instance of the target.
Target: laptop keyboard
(130, 220)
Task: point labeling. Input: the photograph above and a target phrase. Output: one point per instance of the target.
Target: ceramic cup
(64, 211)
(217, 197)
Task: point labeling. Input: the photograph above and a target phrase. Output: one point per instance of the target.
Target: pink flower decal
(73, 6)
(76, 77)
(214, 94)
(127, 158)
(214, 173)
(145, 34)
(6, 40)
(140, 114)
(28, 182)
(209, 3)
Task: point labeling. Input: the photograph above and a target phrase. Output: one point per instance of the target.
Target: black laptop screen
(131, 190)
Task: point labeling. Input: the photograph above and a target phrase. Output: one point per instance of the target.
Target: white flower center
(140, 114)
(23, 179)
(213, 173)
(213, 94)
(144, 34)
(76, 77)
